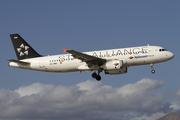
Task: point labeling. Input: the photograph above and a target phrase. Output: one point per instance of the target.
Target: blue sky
(49, 26)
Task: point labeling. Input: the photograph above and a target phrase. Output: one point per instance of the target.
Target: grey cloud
(36, 88)
(86, 100)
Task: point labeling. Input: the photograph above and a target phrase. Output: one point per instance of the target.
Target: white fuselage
(67, 63)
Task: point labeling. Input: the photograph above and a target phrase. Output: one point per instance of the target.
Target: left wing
(86, 58)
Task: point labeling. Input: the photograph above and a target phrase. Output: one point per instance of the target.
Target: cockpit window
(162, 50)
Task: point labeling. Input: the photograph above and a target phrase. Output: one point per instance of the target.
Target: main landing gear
(152, 70)
(97, 76)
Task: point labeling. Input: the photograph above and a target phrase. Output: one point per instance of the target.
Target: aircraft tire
(98, 77)
(94, 75)
(152, 71)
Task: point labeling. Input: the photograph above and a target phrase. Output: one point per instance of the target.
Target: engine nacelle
(113, 72)
(113, 65)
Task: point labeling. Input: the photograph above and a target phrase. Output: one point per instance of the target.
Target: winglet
(65, 50)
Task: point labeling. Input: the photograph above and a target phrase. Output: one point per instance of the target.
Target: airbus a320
(113, 61)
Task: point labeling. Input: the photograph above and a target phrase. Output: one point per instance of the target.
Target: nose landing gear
(152, 70)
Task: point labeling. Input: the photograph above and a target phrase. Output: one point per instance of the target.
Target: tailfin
(22, 48)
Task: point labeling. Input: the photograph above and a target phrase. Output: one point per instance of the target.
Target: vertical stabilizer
(22, 48)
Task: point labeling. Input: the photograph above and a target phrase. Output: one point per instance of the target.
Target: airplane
(113, 61)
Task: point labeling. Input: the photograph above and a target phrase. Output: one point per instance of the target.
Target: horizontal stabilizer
(19, 62)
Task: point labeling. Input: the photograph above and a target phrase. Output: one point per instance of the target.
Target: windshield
(162, 50)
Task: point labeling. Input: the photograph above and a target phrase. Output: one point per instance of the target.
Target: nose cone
(171, 55)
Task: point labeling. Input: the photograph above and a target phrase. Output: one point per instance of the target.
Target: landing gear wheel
(98, 77)
(94, 75)
(152, 71)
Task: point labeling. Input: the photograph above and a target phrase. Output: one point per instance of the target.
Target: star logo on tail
(23, 50)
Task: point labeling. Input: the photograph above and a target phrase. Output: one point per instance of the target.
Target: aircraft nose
(171, 55)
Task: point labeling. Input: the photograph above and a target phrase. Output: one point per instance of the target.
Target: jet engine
(113, 65)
